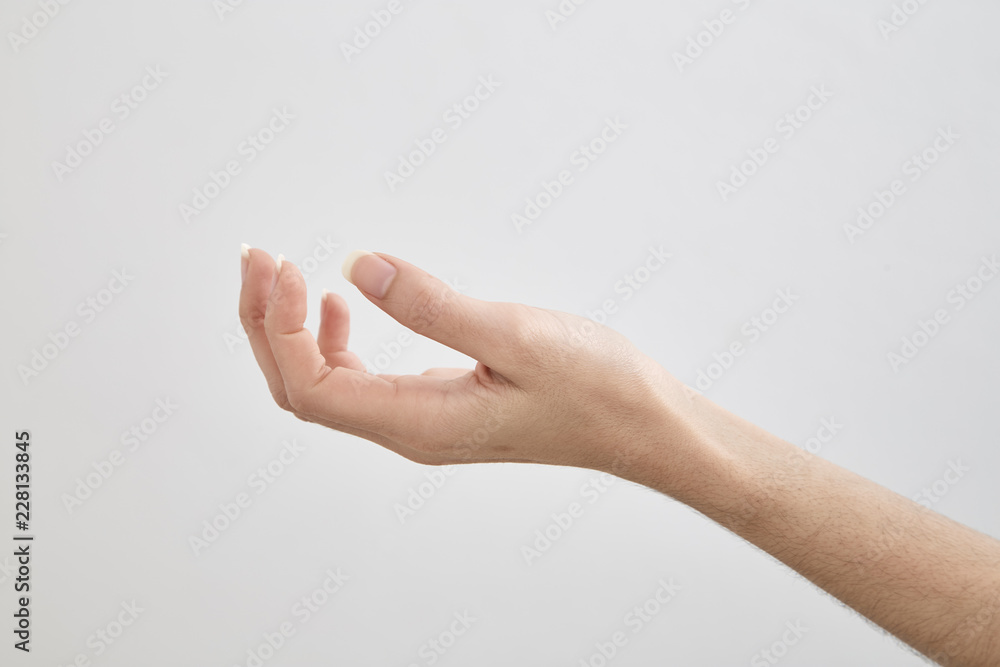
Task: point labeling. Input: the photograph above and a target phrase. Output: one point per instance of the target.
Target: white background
(173, 332)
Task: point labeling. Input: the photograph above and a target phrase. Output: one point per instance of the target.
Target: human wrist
(679, 449)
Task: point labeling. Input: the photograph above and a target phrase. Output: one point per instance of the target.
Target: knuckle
(298, 401)
(427, 307)
(280, 396)
(525, 335)
(252, 317)
(529, 340)
(302, 395)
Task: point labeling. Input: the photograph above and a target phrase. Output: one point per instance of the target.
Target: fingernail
(369, 272)
(322, 299)
(277, 271)
(245, 261)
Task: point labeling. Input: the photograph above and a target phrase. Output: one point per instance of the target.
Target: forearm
(928, 580)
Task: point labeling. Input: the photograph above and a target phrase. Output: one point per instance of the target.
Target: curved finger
(334, 328)
(260, 268)
(257, 282)
(345, 395)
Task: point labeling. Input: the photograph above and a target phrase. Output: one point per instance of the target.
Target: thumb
(430, 307)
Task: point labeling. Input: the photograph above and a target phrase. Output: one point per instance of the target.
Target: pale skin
(557, 389)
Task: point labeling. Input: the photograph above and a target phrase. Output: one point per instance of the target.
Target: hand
(549, 387)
